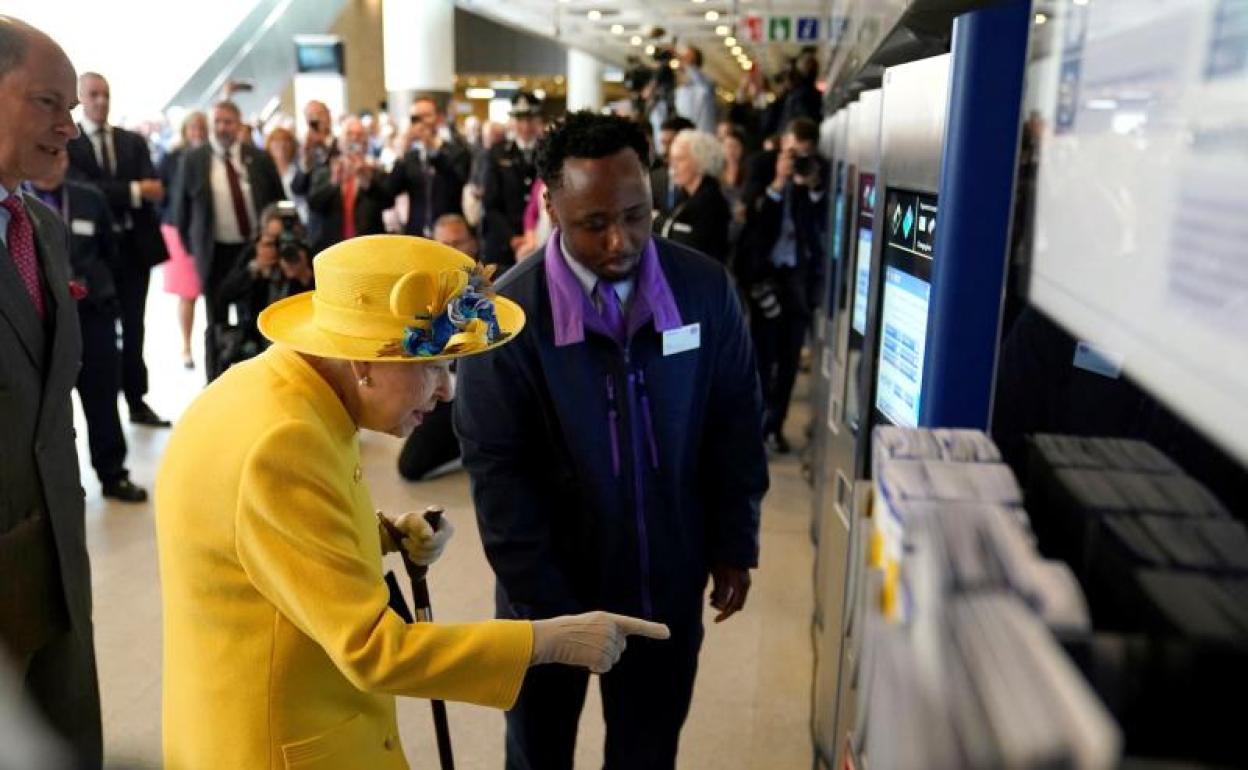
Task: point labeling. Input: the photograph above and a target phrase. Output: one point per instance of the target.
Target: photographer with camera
(779, 261)
(276, 266)
(347, 195)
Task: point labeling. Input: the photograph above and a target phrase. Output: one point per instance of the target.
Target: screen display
(837, 232)
(319, 57)
(862, 291)
(862, 271)
(910, 230)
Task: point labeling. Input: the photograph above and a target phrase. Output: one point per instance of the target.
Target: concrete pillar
(419, 41)
(584, 81)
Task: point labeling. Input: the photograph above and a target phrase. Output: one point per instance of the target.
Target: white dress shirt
(4, 218)
(93, 132)
(225, 224)
(589, 281)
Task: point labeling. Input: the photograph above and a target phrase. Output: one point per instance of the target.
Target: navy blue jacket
(613, 478)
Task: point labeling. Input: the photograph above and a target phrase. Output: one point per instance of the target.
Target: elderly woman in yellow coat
(280, 648)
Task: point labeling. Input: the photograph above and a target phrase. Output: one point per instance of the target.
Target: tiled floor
(751, 705)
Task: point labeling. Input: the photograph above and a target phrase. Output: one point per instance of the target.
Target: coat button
(390, 742)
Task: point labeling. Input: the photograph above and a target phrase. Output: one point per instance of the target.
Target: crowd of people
(616, 450)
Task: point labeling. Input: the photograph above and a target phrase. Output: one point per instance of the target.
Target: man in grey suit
(223, 186)
(45, 582)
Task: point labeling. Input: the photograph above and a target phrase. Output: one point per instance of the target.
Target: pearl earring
(366, 381)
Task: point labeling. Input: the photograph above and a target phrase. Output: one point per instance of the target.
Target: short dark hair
(586, 134)
(803, 130)
(14, 43)
(677, 124)
(695, 53)
(229, 106)
(437, 108)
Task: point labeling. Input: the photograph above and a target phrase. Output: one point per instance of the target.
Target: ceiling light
(712, 15)
(617, 29)
(1081, 2)
(722, 30)
(674, 63)
(698, 2)
(736, 50)
(730, 41)
(479, 93)
(635, 40)
(594, 15)
(1041, 19)
(650, 49)
(747, 65)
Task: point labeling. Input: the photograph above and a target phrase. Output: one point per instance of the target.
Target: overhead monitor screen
(910, 229)
(319, 57)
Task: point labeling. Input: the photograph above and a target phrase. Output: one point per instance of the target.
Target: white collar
(588, 280)
(92, 128)
(217, 149)
(4, 192)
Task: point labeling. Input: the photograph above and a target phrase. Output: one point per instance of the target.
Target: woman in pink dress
(180, 276)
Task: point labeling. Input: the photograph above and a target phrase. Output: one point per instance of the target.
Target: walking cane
(424, 614)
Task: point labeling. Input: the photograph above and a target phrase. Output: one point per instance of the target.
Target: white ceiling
(569, 22)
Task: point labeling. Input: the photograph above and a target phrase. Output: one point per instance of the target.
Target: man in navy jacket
(622, 462)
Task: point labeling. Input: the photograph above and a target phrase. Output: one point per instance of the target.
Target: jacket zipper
(647, 420)
(613, 425)
(639, 495)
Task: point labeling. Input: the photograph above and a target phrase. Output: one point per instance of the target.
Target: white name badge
(82, 227)
(682, 339)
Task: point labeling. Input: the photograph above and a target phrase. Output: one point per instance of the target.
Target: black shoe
(777, 443)
(142, 414)
(125, 491)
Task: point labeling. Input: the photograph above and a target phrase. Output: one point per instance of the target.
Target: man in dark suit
(223, 186)
(117, 163)
(93, 258)
(433, 172)
(509, 181)
(45, 603)
(348, 195)
(781, 261)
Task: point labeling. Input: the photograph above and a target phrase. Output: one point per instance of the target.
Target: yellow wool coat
(279, 648)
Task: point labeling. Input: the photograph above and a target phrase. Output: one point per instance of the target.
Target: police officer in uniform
(508, 182)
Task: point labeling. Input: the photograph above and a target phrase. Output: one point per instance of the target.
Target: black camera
(290, 245)
(804, 165)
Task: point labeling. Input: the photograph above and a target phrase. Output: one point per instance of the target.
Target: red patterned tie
(21, 242)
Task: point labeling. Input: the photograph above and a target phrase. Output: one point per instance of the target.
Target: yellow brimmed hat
(394, 298)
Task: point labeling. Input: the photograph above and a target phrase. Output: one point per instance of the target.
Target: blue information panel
(910, 231)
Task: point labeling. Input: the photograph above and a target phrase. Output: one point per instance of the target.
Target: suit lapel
(66, 351)
(18, 310)
(88, 152)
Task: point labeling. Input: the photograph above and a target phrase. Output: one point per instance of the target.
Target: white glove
(594, 640)
(422, 544)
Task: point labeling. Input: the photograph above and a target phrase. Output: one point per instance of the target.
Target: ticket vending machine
(900, 252)
(825, 364)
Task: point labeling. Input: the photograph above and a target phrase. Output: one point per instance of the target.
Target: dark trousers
(132, 282)
(778, 344)
(62, 684)
(99, 380)
(645, 699)
(430, 446)
(224, 257)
